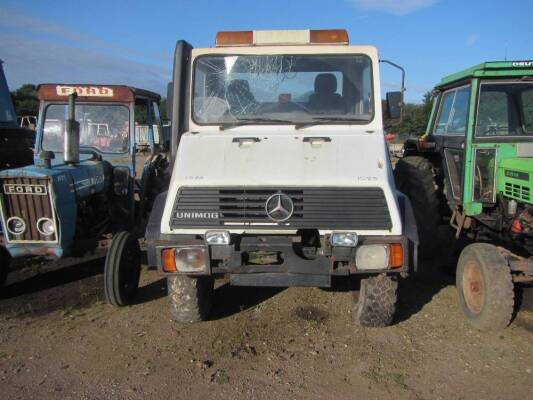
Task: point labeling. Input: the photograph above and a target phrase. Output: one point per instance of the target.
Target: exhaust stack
(71, 150)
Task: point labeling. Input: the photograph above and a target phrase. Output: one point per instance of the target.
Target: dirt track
(58, 339)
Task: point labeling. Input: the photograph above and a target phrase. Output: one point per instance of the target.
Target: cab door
(449, 132)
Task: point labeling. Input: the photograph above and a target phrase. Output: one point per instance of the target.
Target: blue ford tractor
(83, 193)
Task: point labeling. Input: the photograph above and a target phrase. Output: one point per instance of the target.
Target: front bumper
(277, 260)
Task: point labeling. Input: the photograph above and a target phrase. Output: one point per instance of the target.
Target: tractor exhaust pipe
(71, 150)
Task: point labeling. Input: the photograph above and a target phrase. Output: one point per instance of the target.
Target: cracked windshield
(102, 127)
(282, 89)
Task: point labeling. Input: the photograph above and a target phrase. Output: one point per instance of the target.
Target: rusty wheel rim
(473, 287)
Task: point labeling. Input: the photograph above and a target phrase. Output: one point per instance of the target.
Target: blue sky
(132, 41)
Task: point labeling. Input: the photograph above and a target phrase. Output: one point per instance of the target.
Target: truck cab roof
(490, 69)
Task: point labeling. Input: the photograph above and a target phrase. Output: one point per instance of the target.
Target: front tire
(122, 269)
(377, 300)
(485, 287)
(191, 298)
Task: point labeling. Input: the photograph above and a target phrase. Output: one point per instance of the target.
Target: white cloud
(396, 7)
(472, 39)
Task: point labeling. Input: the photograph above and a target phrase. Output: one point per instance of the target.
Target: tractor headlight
(16, 226)
(217, 237)
(372, 256)
(46, 226)
(344, 239)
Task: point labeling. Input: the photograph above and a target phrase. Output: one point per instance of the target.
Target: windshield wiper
(251, 121)
(319, 120)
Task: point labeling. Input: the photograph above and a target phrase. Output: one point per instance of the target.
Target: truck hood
(245, 157)
(276, 158)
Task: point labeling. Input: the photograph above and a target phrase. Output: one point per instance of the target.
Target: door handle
(245, 141)
(316, 141)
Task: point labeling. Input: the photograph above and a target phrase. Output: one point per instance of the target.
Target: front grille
(314, 208)
(28, 206)
(517, 191)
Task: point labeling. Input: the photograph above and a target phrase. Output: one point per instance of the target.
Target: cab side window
(453, 112)
(527, 107)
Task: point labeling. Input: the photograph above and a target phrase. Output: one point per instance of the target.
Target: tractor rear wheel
(190, 298)
(122, 269)
(5, 260)
(485, 287)
(415, 178)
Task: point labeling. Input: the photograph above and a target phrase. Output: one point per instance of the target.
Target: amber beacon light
(282, 37)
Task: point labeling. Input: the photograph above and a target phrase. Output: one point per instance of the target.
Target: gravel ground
(59, 339)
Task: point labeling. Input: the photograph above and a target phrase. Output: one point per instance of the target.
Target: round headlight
(16, 226)
(46, 226)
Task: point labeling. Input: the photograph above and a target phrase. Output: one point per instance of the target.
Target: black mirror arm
(402, 90)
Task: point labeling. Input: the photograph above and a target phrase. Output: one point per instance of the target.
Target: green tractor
(474, 170)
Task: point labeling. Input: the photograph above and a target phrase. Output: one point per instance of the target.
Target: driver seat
(325, 97)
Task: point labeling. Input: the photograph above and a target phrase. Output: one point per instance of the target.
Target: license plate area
(262, 257)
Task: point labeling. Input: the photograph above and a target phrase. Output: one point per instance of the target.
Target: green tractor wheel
(485, 287)
(122, 269)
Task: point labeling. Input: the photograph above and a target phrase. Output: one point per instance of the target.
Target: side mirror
(170, 88)
(394, 105)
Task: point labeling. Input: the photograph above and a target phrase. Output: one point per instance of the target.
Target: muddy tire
(485, 287)
(5, 261)
(376, 304)
(122, 269)
(190, 298)
(415, 178)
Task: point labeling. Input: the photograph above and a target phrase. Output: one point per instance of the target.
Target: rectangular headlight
(372, 256)
(217, 237)
(191, 259)
(344, 239)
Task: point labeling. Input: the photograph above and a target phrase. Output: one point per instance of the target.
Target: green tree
(415, 119)
(25, 100)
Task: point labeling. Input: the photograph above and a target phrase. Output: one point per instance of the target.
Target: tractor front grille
(29, 199)
(314, 208)
(518, 192)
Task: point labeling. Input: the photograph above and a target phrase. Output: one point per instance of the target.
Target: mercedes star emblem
(279, 207)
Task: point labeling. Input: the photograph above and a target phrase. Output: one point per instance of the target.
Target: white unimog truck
(281, 174)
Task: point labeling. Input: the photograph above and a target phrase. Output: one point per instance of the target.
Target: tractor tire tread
(415, 178)
(113, 293)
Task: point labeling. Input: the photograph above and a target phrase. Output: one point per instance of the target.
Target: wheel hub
(473, 287)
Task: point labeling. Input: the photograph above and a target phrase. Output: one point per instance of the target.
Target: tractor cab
(108, 117)
(474, 170)
(482, 126)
